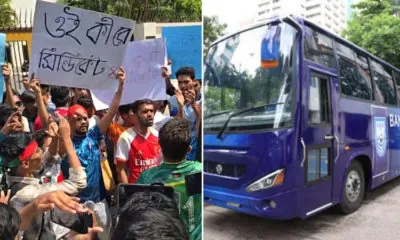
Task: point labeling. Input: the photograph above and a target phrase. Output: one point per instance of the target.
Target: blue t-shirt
(88, 151)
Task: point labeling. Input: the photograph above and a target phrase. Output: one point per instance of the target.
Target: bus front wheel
(354, 188)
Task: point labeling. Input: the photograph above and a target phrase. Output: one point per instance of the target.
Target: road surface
(378, 218)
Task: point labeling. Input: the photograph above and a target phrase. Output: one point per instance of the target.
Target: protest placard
(184, 47)
(142, 64)
(2, 61)
(77, 48)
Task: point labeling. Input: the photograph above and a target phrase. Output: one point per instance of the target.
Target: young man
(189, 104)
(174, 139)
(24, 160)
(87, 103)
(127, 121)
(137, 147)
(87, 145)
(12, 98)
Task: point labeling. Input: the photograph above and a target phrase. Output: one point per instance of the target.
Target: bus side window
(355, 80)
(319, 48)
(384, 84)
(397, 79)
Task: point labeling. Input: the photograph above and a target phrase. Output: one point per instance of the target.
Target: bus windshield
(236, 80)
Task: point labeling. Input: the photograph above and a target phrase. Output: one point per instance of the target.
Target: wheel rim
(353, 186)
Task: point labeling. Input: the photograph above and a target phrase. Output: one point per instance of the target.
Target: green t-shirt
(174, 175)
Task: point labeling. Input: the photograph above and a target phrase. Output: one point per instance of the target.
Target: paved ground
(378, 218)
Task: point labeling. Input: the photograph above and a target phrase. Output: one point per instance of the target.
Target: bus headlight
(271, 180)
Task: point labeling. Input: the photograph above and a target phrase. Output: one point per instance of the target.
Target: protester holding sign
(87, 144)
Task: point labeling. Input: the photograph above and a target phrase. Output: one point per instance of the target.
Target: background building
(330, 14)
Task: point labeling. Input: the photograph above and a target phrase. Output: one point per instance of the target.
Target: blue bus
(297, 120)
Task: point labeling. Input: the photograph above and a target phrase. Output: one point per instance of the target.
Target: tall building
(330, 14)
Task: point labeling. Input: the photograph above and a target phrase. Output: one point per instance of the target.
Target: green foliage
(375, 26)
(7, 15)
(212, 30)
(144, 10)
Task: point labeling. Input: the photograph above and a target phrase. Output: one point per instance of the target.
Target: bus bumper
(278, 206)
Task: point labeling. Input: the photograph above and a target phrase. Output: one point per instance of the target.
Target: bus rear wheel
(354, 188)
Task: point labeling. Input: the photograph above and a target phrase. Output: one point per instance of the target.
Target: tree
(212, 30)
(144, 10)
(7, 15)
(375, 26)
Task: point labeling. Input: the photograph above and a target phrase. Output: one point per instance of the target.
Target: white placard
(142, 64)
(74, 47)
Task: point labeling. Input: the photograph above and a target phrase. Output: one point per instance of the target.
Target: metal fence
(17, 56)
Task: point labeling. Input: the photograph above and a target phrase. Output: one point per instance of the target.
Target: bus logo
(218, 169)
(380, 136)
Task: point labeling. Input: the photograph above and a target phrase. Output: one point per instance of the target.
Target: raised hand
(64, 128)
(179, 97)
(5, 197)
(165, 73)
(57, 199)
(12, 125)
(121, 75)
(35, 85)
(6, 72)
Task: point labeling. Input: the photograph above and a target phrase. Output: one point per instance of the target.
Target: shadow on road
(221, 223)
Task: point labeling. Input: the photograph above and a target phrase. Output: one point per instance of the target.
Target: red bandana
(29, 151)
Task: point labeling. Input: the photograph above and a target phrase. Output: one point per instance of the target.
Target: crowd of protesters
(61, 161)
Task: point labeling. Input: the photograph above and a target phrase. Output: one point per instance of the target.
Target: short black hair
(149, 215)
(9, 222)
(59, 96)
(186, 71)
(40, 136)
(125, 108)
(174, 139)
(85, 101)
(5, 112)
(27, 97)
(13, 145)
(136, 105)
(45, 88)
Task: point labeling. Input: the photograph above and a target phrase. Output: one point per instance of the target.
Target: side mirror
(270, 45)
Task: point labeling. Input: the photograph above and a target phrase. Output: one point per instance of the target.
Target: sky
(235, 13)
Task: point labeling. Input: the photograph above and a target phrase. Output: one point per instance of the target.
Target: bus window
(397, 79)
(384, 84)
(353, 81)
(319, 48)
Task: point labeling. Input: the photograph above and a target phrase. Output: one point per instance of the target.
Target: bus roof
(314, 26)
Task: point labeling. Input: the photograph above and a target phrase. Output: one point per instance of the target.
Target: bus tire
(353, 189)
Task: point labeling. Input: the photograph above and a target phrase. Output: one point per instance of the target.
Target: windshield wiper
(239, 113)
(216, 114)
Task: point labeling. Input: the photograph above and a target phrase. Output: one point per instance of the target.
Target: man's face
(31, 107)
(35, 161)
(81, 122)
(19, 103)
(129, 118)
(46, 98)
(197, 85)
(185, 83)
(79, 92)
(17, 119)
(146, 115)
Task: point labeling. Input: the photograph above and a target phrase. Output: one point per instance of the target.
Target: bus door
(318, 141)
